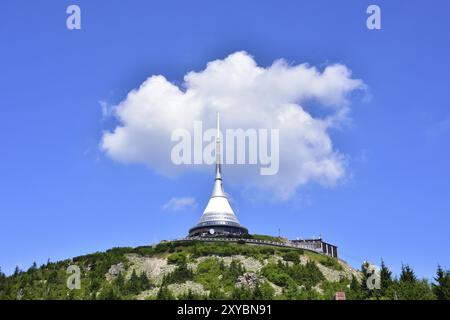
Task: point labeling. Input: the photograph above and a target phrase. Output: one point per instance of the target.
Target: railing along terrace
(255, 241)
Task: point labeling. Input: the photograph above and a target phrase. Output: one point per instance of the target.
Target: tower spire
(218, 168)
(218, 216)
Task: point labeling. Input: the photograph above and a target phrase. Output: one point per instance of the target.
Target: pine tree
(3, 285)
(133, 283)
(407, 274)
(17, 271)
(355, 289)
(33, 267)
(365, 292)
(411, 288)
(108, 293)
(119, 282)
(263, 292)
(442, 288)
(164, 294)
(144, 282)
(385, 278)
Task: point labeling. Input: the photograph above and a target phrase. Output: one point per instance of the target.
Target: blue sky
(61, 196)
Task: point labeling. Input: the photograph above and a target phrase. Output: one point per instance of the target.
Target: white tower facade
(218, 218)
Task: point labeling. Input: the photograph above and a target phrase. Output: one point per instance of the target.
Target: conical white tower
(218, 217)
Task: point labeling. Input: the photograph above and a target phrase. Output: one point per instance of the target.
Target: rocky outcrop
(114, 271)
(248, 280)
(154, 268)
(250, 264)
(157, 267)
(179, 289)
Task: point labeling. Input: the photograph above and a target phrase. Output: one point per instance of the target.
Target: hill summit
(195, 269)
(185, 270)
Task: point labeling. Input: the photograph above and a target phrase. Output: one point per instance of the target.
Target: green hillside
(198, 270)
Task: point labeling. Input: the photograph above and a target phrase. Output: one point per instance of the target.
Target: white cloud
(179, 204)
(248, 96)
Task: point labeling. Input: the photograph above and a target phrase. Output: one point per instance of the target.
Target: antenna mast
(218, 171)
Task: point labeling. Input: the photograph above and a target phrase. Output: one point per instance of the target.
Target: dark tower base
(218, 230)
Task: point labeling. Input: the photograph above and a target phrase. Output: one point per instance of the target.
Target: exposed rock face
(179, 289)
(250, 264)
(157, 267)
(114, 271)
(349, 271)
(154, 268)
(248, 280)
(147, 294)
(336, 275)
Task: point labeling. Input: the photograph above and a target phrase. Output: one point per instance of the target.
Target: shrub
(277, 273)
(308, 275)
(330, 263)
(291, 256)
(262, 291)
(181, 274)
(177, 258)
(214, 275)
(164, 294)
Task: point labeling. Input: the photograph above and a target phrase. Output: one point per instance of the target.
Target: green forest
(287, 274)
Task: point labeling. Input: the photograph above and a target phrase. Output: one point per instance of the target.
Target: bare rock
(248, 280)
(250, 264)
(114, 271)
(152, 293)
(179, 289)
(154, 268)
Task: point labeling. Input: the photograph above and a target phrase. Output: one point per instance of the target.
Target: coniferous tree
(263, 292)
(365, 291)
(144, 282)
(33, 267)
(119, 282)
(3, 286)
(133, 283)
(385, 278)
(407, 274)
(94, 284)
(442, 288)
(17, 271)
(355, 289)
(241, 294)
(108, 293)
(411, 288)
(164, 294)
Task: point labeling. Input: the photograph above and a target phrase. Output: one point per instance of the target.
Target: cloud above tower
(304, 103)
